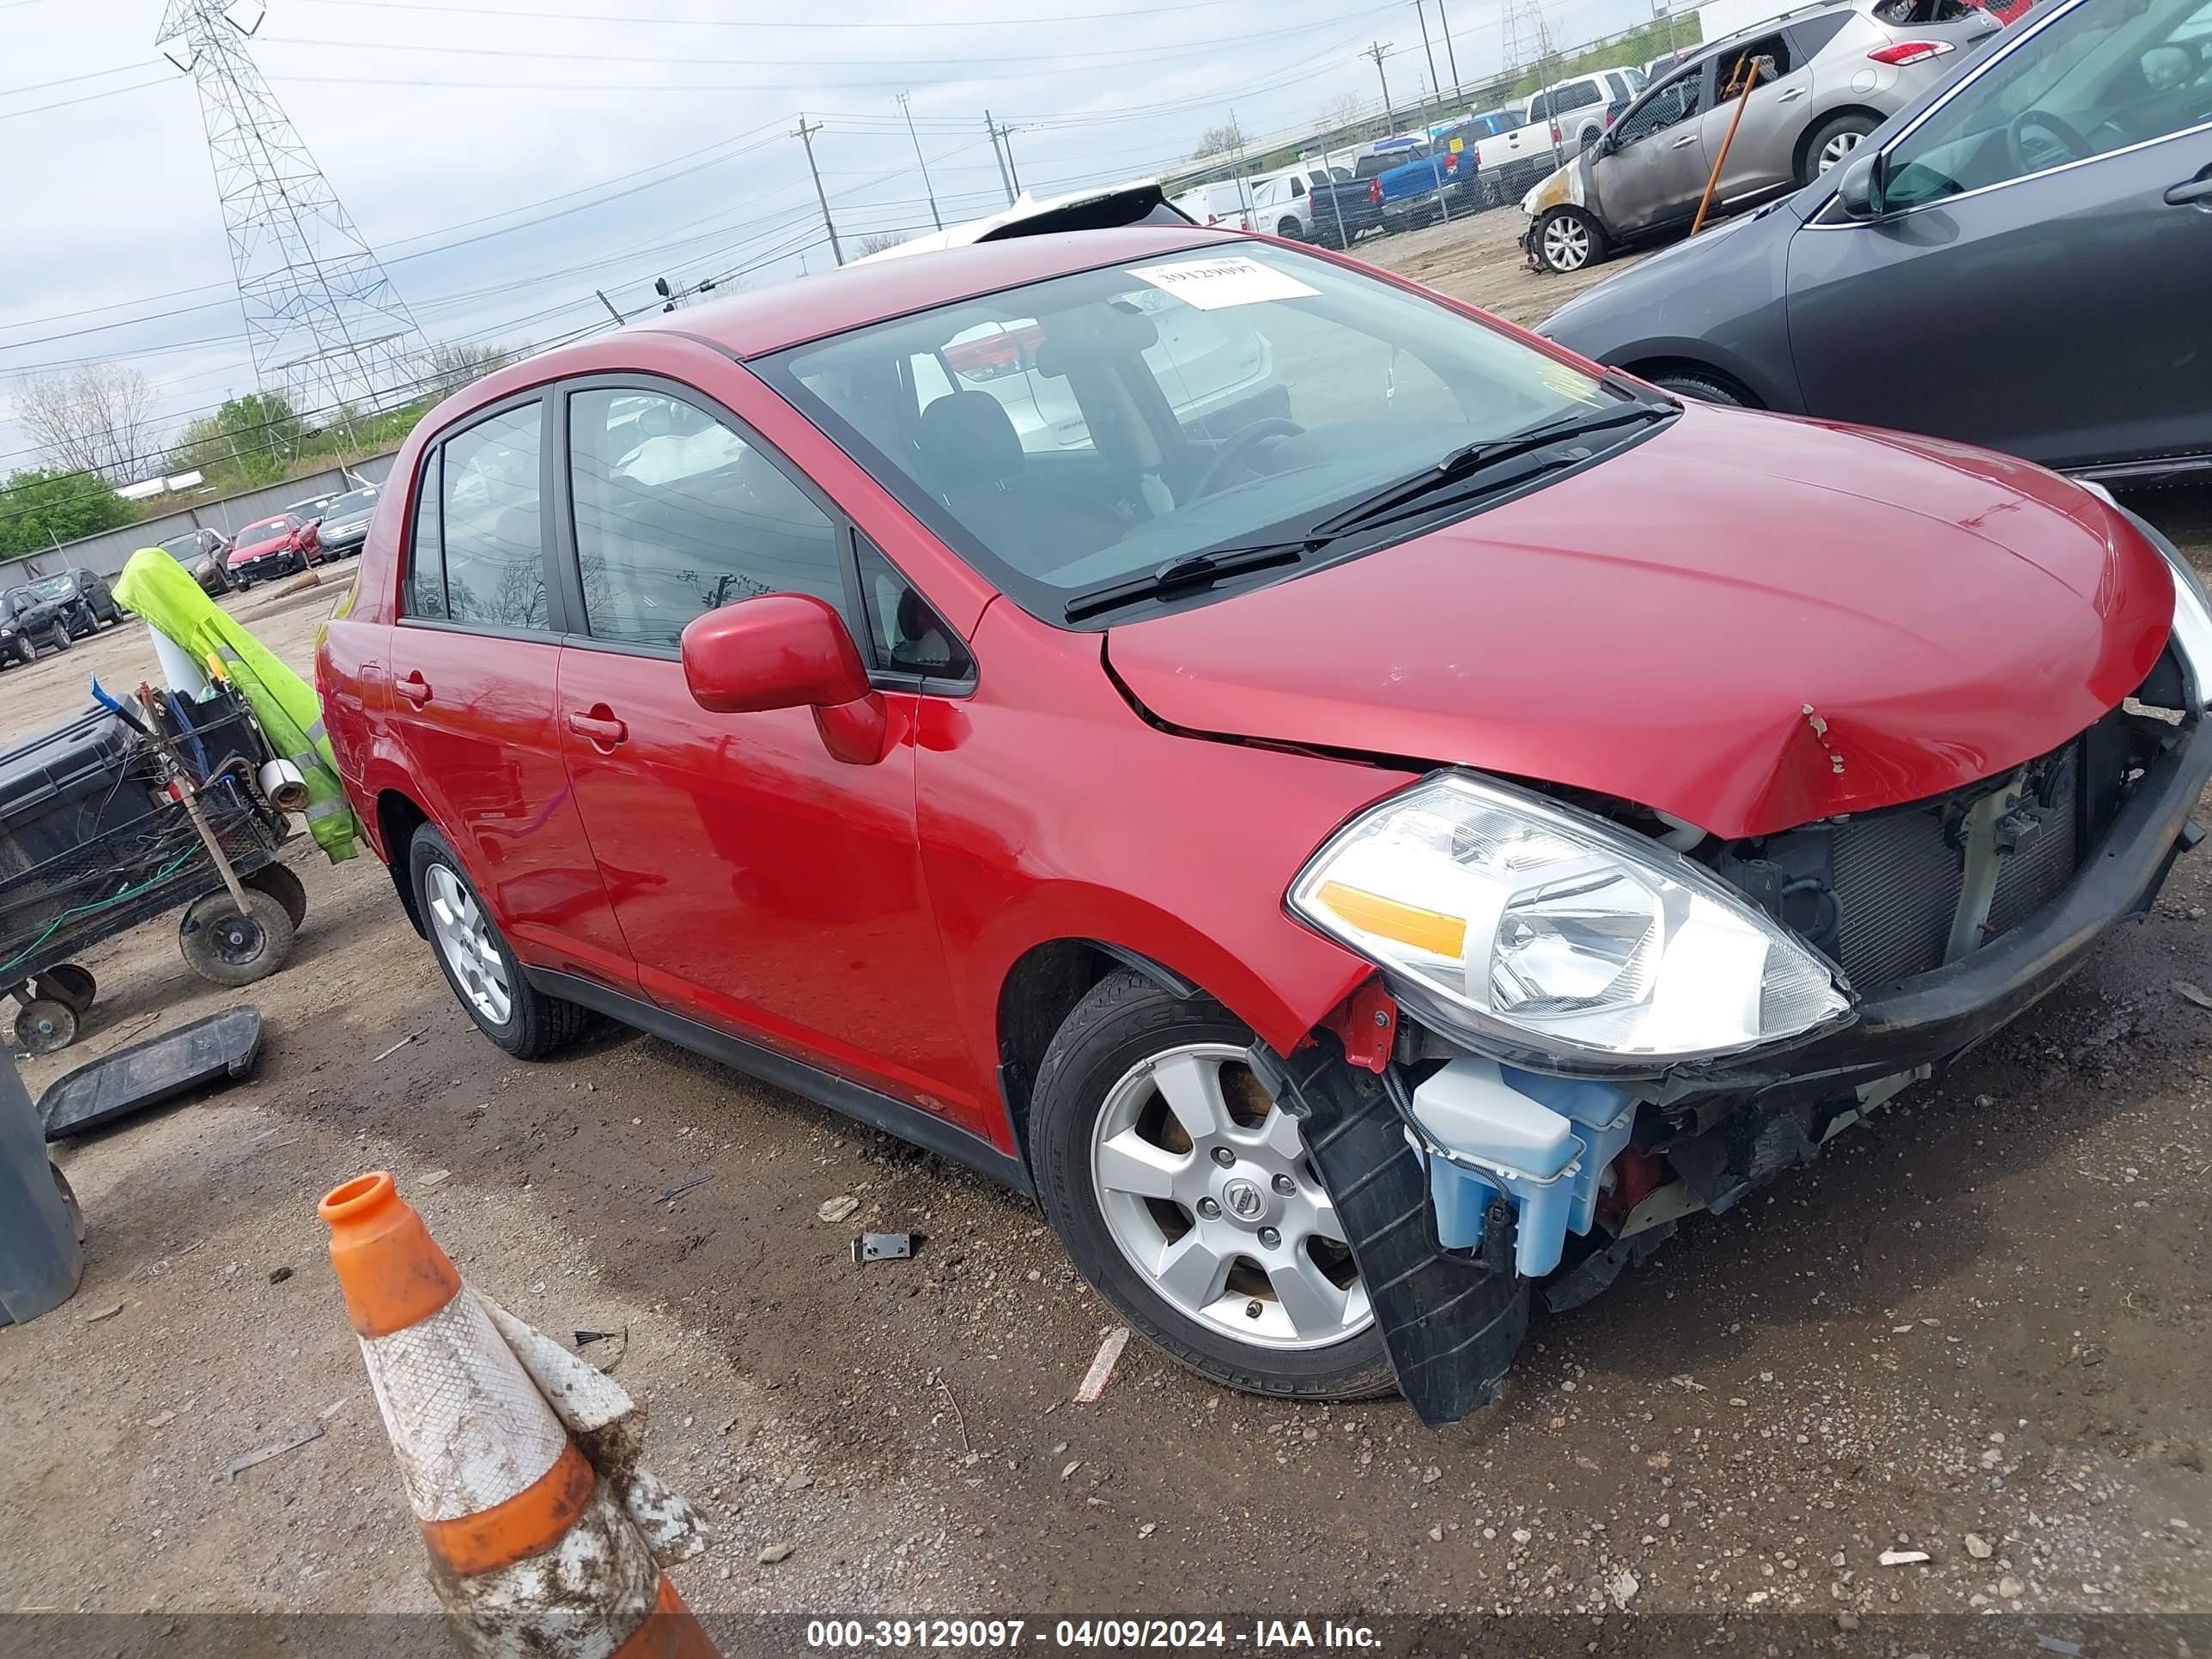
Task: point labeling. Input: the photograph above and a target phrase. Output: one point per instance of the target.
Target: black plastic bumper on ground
(1935, 1015)
(1451, 1326)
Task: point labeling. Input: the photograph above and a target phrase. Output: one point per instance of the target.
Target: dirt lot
(1978, 1330)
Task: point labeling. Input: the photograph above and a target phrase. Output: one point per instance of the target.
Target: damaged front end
(1581, 1034)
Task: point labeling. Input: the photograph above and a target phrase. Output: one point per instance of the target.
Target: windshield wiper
(1191, 570)
(1462, 464)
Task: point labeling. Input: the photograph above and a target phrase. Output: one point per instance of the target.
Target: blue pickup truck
(1426, 183)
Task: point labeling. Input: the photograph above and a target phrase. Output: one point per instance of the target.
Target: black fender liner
(1452, 1326)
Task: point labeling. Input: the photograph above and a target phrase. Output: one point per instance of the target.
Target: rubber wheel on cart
(1568, 239)
(44, 1026)
(1185, 1194)
(68, 984)
(281, 883)
(483, 972)
(229, 948)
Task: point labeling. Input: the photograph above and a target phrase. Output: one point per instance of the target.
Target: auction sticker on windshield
(1216, 284)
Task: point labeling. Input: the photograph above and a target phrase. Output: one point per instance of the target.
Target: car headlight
(2192, 605)
(1535, 930)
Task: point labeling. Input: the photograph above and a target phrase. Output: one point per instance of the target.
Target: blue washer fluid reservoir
(1542, 1142)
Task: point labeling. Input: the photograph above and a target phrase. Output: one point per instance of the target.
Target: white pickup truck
(1559, 123)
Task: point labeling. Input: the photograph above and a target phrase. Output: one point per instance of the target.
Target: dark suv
(28, 622)
(82, 598)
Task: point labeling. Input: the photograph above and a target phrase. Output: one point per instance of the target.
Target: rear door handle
(414, 689)
(2198, 189)
(1686, 141)
(599, 728)
(1794, 92)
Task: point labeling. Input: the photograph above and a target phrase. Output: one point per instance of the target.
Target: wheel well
(1805, 139)
(1041, 990)
(1289, 229)
(1653, 368)
(396, 820)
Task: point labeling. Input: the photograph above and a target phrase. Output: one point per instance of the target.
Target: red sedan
(1367, 816)
(269, 548)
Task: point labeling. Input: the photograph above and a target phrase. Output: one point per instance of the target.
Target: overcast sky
(505, 157)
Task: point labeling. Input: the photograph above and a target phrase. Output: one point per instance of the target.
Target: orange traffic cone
(532, 1549)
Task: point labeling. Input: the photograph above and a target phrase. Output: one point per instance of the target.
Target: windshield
(359, 501)
(267, 529)
(17, 600)
(54, 588)
(183, 547)
(1074, 431)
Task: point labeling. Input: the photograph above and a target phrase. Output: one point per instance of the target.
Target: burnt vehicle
(29, 624)
(83, 598)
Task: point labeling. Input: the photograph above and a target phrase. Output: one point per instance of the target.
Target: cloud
(507, 157)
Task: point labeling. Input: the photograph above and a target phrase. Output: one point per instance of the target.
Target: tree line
(93, 429)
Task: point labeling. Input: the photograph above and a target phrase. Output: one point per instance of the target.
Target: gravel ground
(1978, 1330)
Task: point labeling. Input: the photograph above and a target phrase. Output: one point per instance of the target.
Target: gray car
(1834, 73)
(345, 524)
(2019, 260)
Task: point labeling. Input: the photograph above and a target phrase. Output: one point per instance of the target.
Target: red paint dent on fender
(1943, 621)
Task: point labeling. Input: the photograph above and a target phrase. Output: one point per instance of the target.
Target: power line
(755, 60)
(753, 23)
(89, 97)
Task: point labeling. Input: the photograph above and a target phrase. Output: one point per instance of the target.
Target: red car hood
(1747, 621)
(246, 550)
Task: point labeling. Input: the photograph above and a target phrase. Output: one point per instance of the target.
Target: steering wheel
(1234, 451)
(2073, 145)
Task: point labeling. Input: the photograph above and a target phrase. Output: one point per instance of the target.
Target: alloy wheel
(1838, 148)
(1566, 243)
(465, 940)
(1204, 1185)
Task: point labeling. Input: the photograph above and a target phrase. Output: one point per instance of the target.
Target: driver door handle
(1686, 141)
(2198, 189)
(599, 728)
(414, 688)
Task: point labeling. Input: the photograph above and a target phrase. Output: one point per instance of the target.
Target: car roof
(753, 323)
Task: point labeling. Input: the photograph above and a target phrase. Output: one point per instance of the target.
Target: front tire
(59, 639)
(1704, 387)
(1185, 1196)
(486, 979)
(1568, 240)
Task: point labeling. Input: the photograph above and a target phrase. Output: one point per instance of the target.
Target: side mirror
(1859, 186)
(786, 650)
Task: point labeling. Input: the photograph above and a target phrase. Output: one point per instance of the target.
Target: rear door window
(424, 592)
(493, 529)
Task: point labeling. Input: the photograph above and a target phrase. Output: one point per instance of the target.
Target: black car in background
(29, 624)
(83, 599)
(345, 524)
(2020, 258)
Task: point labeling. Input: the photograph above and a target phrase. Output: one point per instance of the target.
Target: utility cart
(126, 812)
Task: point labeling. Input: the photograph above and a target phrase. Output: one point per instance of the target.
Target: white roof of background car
(1024, 206)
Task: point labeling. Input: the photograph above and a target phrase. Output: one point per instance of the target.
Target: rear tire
(1831, 143)
(1102, 1060)
(1569, 240)
(1703, 388)
(532, 1025)
(1290, 230)
(59, 639)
